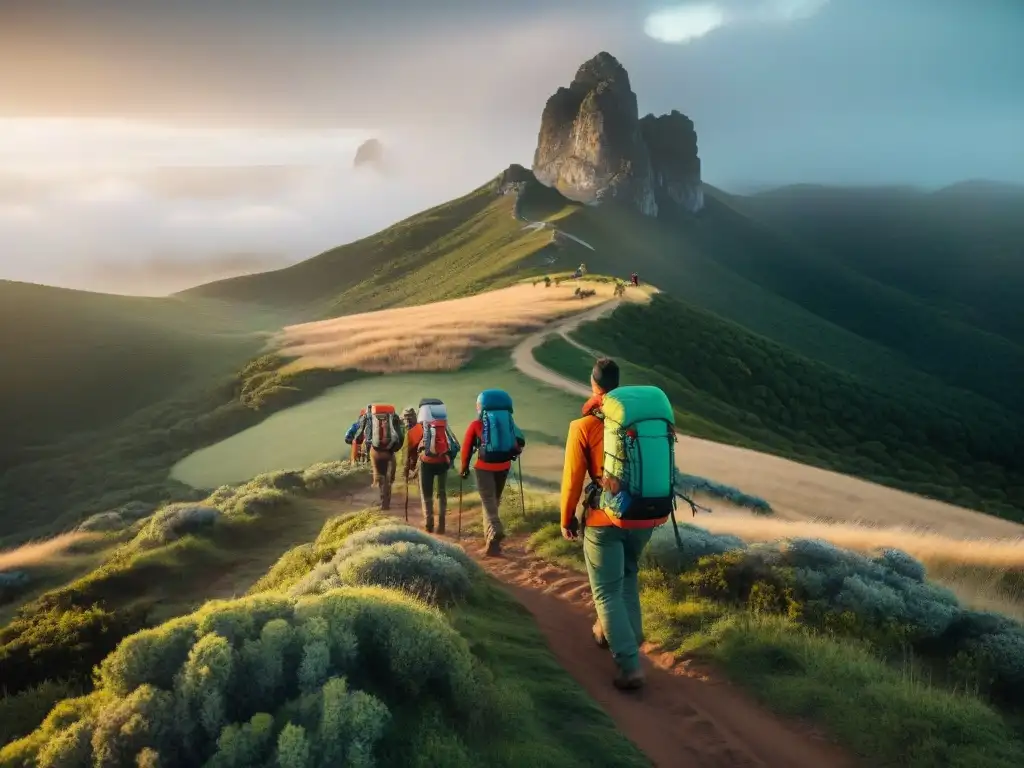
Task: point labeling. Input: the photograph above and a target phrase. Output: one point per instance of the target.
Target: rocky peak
(672, 143)
(593, 147)
(513, 179)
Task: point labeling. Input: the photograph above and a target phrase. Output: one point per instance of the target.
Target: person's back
(497, 439)
(612, 546)
(431, 445)
(383, 436)
(354, 437)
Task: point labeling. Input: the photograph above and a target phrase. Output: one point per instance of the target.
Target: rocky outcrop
(590, 147)
(593, 148)
(672, 143)
(370, 152)
(513, 179)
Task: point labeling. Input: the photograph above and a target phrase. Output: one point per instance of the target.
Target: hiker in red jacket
(499, 443)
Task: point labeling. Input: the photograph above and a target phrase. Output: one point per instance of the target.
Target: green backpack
(639, 450)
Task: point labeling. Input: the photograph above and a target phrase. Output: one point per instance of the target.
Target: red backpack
(381, 427)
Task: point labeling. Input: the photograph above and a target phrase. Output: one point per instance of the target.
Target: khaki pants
(491, 484)
(384, 468)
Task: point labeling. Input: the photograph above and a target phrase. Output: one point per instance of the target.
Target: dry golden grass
(39, 553)
(432, 337)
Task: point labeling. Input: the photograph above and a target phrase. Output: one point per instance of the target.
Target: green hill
(94, 382)
(456, 249)
(77, 361)
(959, 250)
(112, 391)
(733, 385)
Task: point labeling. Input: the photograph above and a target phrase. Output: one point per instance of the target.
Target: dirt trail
(682, 719)
(796, 491)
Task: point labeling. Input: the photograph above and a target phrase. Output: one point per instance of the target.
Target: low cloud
(690, 21)
(155, 230)
(171, 273)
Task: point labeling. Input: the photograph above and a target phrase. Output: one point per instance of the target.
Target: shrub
(392, 532)
(174, 521)
(21, 713)
(102, 522)
(414, 568)
(60, 643)
(124, 727)
(328, 474)
(266, 677)
(664, 552)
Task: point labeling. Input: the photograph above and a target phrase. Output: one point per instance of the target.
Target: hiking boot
(428, 526)
(440, 527)
(598, 632)
(629, 681)
(493, 548)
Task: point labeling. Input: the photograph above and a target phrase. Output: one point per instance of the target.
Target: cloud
(691, 21)
(684, 23)
(170, 273)
(286, 194)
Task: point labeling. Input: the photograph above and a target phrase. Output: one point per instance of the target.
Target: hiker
(547, 281)
(354, 438)
(431, 448)
(625, 501)
(620, 288)
(383, 436)
(635, 280)
(499, 441)
(409, 421)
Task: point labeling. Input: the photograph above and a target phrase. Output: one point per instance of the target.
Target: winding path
(796, 491)
(683, 718)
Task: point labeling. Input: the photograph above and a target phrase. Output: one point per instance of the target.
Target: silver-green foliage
(396, 556)
(267, 678)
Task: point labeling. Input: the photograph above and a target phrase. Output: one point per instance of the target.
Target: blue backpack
(498, 443)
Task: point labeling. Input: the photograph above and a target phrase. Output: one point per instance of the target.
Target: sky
(147, 146)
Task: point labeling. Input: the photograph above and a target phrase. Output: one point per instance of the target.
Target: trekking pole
(407, 497)
(522, 499)
(458, 535)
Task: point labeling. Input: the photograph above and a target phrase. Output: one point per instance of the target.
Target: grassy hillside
(76, 361)
(784, 288)
(374, 641)
(960, 249)
(413, 658)
(102, 395)
(740, 387)
(462, 247)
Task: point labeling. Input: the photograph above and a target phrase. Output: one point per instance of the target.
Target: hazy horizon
(150, 147)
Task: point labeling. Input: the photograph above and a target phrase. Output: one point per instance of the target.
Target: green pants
(613, 556)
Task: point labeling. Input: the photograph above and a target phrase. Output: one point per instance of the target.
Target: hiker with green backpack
(498, 442)
(625, 441)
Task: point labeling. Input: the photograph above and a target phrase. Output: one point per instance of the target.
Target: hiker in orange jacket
(611, 546)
